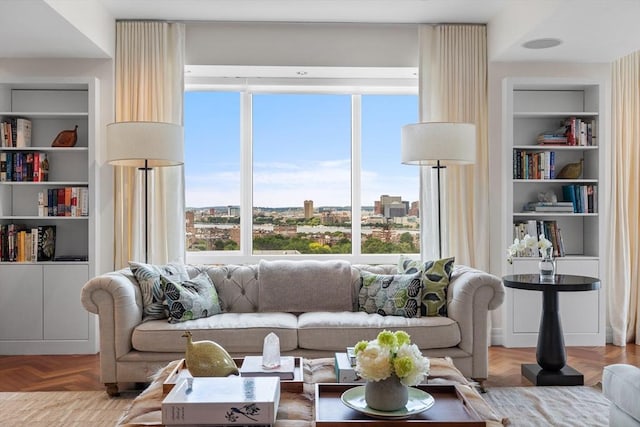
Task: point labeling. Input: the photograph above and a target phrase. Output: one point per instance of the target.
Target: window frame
(395, 82)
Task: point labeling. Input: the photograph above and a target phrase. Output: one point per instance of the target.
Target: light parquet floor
(82, 372)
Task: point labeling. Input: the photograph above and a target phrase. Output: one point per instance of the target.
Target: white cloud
(280, 184)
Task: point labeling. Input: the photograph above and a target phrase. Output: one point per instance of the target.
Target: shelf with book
(47, 283)
(551, 124)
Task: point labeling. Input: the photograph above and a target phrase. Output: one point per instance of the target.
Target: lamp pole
(438, 167)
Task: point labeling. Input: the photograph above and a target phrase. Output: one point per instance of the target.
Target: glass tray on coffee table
(450, 408)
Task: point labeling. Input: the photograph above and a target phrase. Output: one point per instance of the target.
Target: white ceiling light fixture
(542, 43)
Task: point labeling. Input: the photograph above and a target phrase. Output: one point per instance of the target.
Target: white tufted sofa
(131, 350)
(621, 385)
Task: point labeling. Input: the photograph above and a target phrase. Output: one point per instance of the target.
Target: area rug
(61, 408)
(549, 406)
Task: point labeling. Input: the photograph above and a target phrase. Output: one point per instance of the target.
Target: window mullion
(356, 167)
(246, 174)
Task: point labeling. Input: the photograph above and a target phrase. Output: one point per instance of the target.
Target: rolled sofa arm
(471, 295)
(115, 297)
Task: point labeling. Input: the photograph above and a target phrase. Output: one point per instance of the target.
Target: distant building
(414, 210)
(392, 206)
(308, 209)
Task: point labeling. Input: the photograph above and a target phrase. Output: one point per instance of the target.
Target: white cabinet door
(64, 316)
(20, 302)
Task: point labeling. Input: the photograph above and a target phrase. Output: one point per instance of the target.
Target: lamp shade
(446, 142)
(131, 143)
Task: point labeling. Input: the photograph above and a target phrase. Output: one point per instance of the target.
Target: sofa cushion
(238, 333)
(148, 278)
(436, 275)
(390, 294)
(301, 286)
(190, 299)
(335, 331)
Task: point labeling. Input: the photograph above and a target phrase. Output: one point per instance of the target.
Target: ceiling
(591, 30)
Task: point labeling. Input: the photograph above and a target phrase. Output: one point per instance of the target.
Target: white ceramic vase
(386, 395)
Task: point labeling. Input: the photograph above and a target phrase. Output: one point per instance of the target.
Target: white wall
(302, 44)
(51, 69)
(497, 72)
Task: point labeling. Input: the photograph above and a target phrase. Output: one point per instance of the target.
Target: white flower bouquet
(528, 242)
(391, 353)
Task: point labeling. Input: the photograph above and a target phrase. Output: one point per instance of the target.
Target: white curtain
(623, 254)
(453, 88)
(149, 80)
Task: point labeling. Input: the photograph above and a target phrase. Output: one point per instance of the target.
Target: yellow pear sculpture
(571, 171)
(208, 359)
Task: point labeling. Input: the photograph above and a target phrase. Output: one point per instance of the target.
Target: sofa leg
(112, 389)
(480, 384)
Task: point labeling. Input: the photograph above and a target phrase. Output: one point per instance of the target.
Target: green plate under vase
(419, 401)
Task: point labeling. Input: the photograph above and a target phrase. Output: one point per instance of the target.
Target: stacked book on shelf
(64, 201)
(24, 166)
(561, 207)
(534, 164)
(583, 197)
(15, 132)
(20, 243)
(572, 131)
(535, 228)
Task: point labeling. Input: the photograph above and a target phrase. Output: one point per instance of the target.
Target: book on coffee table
(252, 367)
(222, 401)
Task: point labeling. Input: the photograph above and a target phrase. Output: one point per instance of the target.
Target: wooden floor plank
(82, 372)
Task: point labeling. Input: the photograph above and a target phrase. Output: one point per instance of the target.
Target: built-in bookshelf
(47, 231)
(550, 124)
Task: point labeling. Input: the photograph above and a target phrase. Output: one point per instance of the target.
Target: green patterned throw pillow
(190, 299)
(390, 294)
(436, 275)
(148, 278)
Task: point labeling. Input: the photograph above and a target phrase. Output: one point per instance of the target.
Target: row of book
(28, 166)
(534, 164)
(535, 228)
(584, 197)
(572, 131)
(64, 201)
(15, 132)
(20, 243)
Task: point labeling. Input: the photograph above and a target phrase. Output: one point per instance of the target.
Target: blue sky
(302, 149)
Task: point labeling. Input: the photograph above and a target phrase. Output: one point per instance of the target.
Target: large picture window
(298, 174)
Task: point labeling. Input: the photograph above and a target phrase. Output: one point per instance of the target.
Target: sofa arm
(115, 297)
(471, 295)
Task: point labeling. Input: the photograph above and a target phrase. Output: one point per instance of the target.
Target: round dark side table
(551, 355)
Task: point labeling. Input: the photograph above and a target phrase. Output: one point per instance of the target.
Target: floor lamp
(438, 144)
(145, 145)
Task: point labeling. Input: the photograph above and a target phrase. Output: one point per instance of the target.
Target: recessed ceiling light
(541, 43)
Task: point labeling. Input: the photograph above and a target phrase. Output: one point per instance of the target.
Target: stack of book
(222, 401)
(548, 207)
(583, 197)
(19, 243)
(534, 164)
(64, 201)
(24, 166)
(535, 228)
(15, 132)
